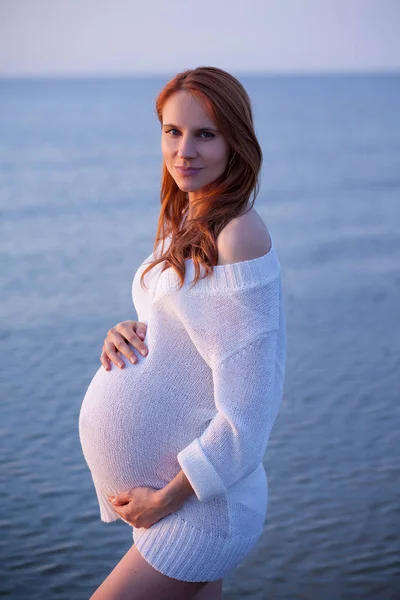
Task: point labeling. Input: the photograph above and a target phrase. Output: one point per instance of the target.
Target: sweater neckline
(243, 274)
(243, 264)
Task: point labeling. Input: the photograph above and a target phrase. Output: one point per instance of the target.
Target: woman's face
(190, 139)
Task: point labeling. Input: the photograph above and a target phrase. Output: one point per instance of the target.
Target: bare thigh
(134, 579)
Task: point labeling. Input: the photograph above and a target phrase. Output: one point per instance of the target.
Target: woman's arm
(176, 492)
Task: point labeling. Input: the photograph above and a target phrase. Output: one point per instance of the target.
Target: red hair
(227, 102)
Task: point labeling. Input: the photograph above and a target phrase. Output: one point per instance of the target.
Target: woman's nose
(187, 148)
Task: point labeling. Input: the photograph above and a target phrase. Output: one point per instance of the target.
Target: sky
(124, 37)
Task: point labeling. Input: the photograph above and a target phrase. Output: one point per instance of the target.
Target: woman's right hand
(115, 344)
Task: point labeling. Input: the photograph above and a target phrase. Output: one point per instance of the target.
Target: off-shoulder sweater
(203, 400)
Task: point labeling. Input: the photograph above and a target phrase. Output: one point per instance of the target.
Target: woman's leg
(134, 579)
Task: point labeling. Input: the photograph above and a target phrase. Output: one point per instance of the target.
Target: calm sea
(80, 166)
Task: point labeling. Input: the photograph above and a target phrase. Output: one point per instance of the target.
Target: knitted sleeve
(239, 334)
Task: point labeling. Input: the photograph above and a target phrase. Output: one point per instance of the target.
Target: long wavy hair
(227, 102)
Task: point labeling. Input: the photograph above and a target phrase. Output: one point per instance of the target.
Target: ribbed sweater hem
(169, 550)
(170, 544)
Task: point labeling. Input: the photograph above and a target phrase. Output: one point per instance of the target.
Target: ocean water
(80, 167)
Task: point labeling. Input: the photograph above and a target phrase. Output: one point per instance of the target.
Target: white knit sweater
(204, 399)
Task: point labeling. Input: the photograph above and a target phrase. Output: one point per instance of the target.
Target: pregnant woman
(175, 439)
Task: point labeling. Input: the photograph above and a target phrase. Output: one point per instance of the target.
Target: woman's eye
(208, 133)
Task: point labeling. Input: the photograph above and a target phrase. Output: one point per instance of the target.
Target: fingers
(105, 361)
(114, 355)
(110, 354)
(116, 344)
(126, 331)
(141, 329)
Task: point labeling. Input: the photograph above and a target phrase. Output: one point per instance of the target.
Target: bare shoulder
(243, 238)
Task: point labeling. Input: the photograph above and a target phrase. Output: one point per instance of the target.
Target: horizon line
(171, 73)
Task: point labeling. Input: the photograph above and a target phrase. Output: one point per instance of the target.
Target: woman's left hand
(141, 506)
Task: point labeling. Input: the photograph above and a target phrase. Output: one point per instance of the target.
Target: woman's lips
(186, 172)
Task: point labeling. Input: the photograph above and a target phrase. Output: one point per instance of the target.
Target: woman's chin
(187, 186)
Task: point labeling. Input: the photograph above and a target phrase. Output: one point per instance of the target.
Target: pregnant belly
(125, 426)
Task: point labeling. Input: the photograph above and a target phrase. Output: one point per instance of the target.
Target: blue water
(80, 166)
